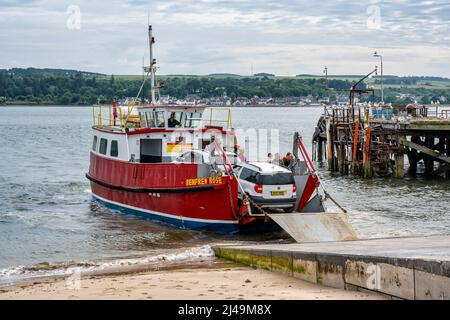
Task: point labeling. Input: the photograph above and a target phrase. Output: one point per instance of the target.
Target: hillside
(47, 72)
(64, 86)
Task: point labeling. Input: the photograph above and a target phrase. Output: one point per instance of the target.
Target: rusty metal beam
(425, 150)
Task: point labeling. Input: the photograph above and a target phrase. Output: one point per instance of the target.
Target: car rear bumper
(274, 203)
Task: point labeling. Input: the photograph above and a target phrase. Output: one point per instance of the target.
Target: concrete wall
(395, 278)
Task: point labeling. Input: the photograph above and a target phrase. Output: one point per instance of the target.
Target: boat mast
(152, 68)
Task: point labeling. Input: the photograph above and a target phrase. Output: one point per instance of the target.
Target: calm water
(47, 214)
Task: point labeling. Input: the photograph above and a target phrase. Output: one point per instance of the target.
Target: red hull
(160, 190)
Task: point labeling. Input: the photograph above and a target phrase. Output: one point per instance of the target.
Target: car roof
(197, 151)
(265, 167)
(228, 153)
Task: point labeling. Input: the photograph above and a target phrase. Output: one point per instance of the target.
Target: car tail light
(258, 188)
(294, 188)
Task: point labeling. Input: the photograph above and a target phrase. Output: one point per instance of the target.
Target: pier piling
(373, 141)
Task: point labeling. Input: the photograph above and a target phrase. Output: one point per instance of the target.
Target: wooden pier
(374, 141)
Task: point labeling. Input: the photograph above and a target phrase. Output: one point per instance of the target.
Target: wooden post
(341, 157)
(367, 167)
(355, 147)
(400, 159)
(355, 141)
(429, 161)
(330, 145)
(412, 159)
(447, 152)
(335, 150)
(413, 156)
(320, 150)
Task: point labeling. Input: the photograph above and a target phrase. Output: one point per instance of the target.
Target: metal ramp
(311, 223)
(315, 227)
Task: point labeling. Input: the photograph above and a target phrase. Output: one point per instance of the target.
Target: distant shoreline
(232, 107)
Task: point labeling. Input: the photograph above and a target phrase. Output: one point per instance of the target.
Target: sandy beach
(234, 282)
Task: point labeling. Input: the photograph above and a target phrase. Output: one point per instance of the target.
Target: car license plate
(278, 193)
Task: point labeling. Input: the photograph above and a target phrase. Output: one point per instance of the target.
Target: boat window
(103, 145)
(143, 119)
(114, 149)
(94, 143)
(150, 117)
(160, 119)
(175, 119)
(193, 119)
(275, 179)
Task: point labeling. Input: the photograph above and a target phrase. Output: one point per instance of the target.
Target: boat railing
(218, 116)
(114, 116)
(105, 115)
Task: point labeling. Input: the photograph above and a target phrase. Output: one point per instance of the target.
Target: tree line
(66, 90)
(69, 87)
(79, 89)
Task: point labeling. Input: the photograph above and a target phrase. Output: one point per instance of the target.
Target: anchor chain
(230, 193)
(254, 204)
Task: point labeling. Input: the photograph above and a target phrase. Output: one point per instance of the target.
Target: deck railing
(445, 113)
(214, 117)
(347, 114)
(103, 115)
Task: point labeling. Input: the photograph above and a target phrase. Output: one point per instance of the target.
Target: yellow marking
(178, 147)
(278, 193)
(203, 181)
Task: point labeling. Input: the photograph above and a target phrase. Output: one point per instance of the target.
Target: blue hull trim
(225, 228)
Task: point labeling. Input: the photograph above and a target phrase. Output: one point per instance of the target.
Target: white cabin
(158, 133)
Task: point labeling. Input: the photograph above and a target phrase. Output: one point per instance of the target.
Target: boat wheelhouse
(157, 133)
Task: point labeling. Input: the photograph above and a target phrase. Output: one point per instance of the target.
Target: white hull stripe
(165, 214)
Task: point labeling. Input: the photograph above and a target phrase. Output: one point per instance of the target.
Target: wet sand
(232, 282)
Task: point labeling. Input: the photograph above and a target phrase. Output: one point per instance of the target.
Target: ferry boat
(133, 165)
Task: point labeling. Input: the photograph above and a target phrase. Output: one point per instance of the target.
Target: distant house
(241, 101)
(342, 99)
(324, 100)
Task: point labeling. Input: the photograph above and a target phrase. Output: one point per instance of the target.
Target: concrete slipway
(406, 268)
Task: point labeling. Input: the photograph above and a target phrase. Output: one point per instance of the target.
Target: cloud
(284, 37)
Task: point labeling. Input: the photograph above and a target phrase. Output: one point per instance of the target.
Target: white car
(268, 185)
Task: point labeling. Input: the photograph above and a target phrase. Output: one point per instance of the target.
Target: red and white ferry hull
(158, 192)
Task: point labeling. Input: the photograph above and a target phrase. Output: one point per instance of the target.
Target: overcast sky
(284, 37)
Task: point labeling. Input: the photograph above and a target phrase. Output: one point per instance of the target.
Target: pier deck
(406, 268)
